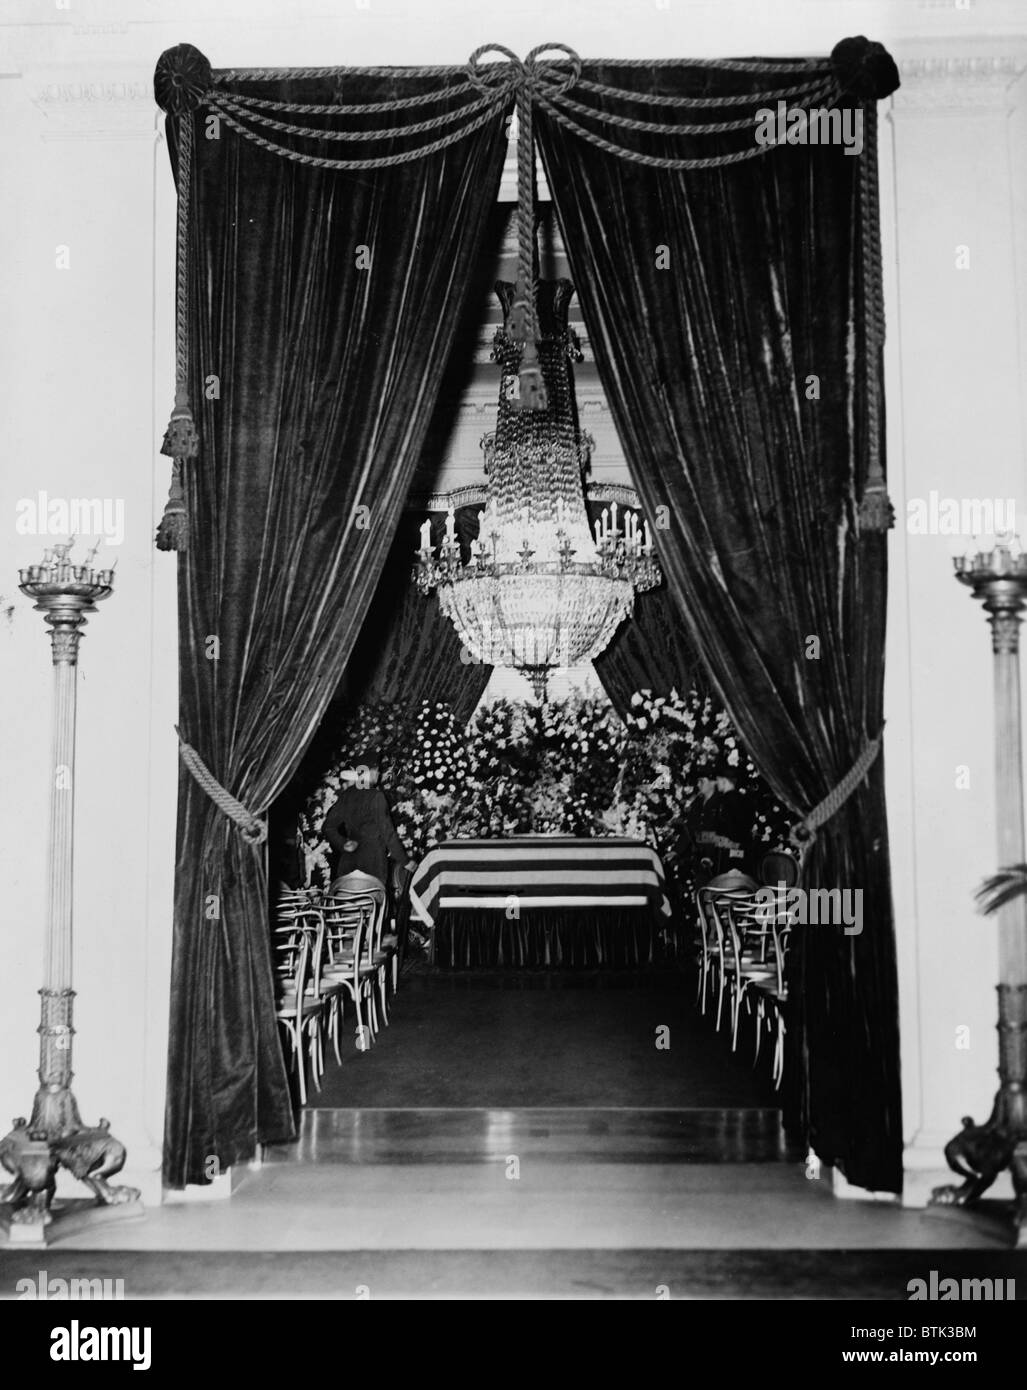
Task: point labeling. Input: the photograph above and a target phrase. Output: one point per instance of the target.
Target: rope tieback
(804, 831)
(251, 827)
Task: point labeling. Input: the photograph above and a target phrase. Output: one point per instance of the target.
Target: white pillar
(84, 169)
(954, 429)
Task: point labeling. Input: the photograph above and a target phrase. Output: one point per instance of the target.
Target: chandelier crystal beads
(539, 588)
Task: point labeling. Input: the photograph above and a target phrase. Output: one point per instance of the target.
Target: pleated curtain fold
(725, 306)
(323, 306)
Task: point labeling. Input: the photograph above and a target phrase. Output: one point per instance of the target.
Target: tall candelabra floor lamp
(979, 1153)
(55, 1136)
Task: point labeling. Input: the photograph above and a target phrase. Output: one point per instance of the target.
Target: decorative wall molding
(109, 103)
(958, 83)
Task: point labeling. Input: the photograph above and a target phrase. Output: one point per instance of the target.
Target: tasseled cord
(522, 322)
(876, 513)
(181, 439)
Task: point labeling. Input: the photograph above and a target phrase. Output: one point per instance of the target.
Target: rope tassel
(181, 438)
(173, 531)
(183, 77)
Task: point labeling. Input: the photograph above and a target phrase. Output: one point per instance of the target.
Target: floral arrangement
(432, 780)
(680, 748)
(570, 767)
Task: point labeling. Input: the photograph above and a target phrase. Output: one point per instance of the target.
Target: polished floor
(434, 1135)
(418, 1192)
(572, 1039)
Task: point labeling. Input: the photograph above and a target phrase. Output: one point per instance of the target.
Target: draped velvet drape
(322, 308)
(724, 305)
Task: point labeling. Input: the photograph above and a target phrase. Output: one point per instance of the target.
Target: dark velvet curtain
(705, 349)
(408, 651)
(651, 650)
(314, 369)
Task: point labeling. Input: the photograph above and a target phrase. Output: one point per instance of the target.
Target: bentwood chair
(299, 1009)
(350, 919)
(384, 946)
(761, 926)
(741, 964)
(714, 956)
(305, 927)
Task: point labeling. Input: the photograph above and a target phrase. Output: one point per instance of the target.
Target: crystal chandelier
(538, 589)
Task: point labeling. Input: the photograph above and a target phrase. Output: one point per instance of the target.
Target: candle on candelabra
(450, 525)
(648, 537)
(613, 519)
(599, 532)
(426, 535)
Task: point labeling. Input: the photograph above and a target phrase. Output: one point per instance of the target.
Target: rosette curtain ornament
(732, 295)
(321, 277)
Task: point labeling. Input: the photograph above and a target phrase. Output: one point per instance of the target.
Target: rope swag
(478, 93)
(251, 827)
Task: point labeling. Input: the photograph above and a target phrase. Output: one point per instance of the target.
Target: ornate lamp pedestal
(55, 1135)
(980, 1152)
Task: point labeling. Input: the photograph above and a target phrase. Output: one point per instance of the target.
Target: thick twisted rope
(302, 74)
(222, 103)
(829, 94)
(565, 103)
(338, 108)
(522, 323)
(584, 84)
(531, 78)
(875, 509)
(251, 827)
(380, 162)
(804, 832)
(181, 440)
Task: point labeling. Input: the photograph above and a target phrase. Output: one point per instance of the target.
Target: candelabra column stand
(55, 1135)
(980, 1152)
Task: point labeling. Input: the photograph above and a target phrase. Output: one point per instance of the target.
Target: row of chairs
(741, 959)
(332, 951)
